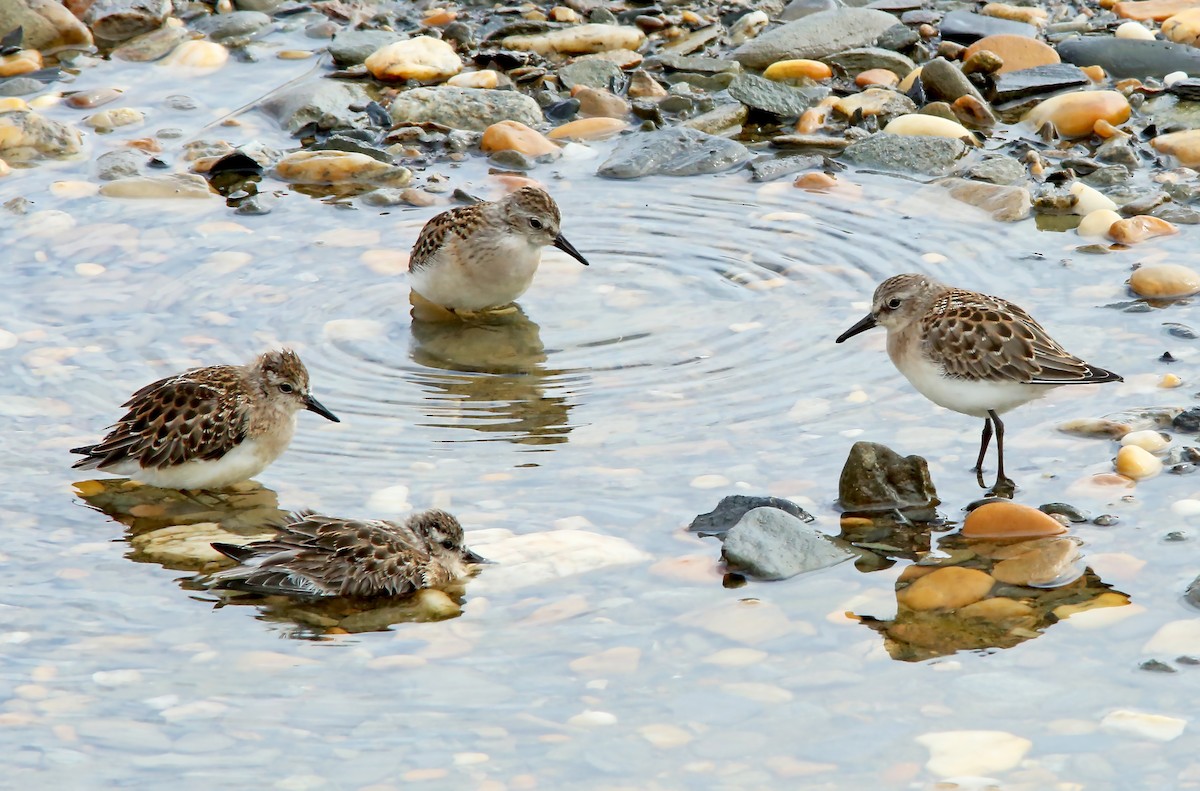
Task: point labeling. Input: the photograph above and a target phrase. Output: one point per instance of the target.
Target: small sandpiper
(973, 353)
(325, 556)
(207, 428)
(483, 256)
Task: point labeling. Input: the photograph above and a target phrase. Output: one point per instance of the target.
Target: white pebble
(1097, 223)
(89, 270)
(1137, 463)
(1174, 77)
(1155, 727)
(709, 481)
(1135, 30)
(7, 339)
(592, 718)
(116, 678)
(1090, 199)
(1186, 507)
(1148, 440)
(973, 752)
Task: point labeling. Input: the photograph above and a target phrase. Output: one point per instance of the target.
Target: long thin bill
(862, 325)
(471, 556)
(561, 243)
(313, 405)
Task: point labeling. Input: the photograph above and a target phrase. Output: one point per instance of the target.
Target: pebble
(588, 129)
(1009, 520)
(922, 125)
(1140, 228)
(421, 58)
(484, 78)
(954, 753)
(664, 736)
(1134, 30)
(1151, 10)
(592, 719)
(946, 589)
(596, 102)
(1183, 28)
(1151, 441)
(1184, 146)
(815, 36)
(815, 182)
(1044, 562)
(336, 167)
(1030, 15)
(175, 185)
(1137, 463)
(108, 120)
(1097, 223)
(1165, 281)
(21, 62)
(798, 68)
(1141, 725)
(202, 56)
(1076, 114)
(515, 136)
(1015, 52)
(579, 40)
(876, 77)
(1090, 199)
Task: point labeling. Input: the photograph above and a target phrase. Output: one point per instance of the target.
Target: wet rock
(1066, 510)
(21, 62)
(770, 168)
(1129, 57)
(898, 38)
(1039, 563)
(1183, 28)
(643, 86)
(325, 103)
(855, 61)
(232, 29)
(1140, 228)
(1012, 85)
(45, 24)
(769, 96)
(473, 109)
(1165, 281)
(1076, 114)
(732, 508)
(881, 102)
(151, 46)
(748, 26)
(484, 78)
(1143, 726)
(597, 103)
(25, 135)
(878, 77)
(672, 152)
(119, 164)
(771, 544)
(996, 169)
(922, 125)
(966, 27)
(695, 65)
(1097, 223)
(1137, 463)
(815, 36)
(198, 56)
(174, 185)
(1148, 440)
(511, 159)
(1184, 146)
(108, 120)
(117, 20)
(19, 86)
(798, 68)
(934, 156)
(982, 61)
(944, 81)
(946, 589)
(723, 120)
(339, 167)
(1015, 52)
(1009, 520)
(546, 556)
(352, 47)
(513, 136)
(1006, 204)
(876, 478)
(603, 74)
(421, 58)
(588, 129)
(579, 40)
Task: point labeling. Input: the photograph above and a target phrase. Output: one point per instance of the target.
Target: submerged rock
(322, 102)
(673, 152)
(876, 478)
(731, 509)
(117, 20)
(474, 109)
(771, 544)
(26, 135)
(45, 24)
(1005, 203)
(933, 156)
(815, 36)
(352, 47)
(966, 27)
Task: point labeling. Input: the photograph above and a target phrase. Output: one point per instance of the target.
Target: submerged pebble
(1166, 281)
(1137, 463)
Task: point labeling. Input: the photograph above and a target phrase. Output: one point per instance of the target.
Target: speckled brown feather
(461, 222)
(980, 337)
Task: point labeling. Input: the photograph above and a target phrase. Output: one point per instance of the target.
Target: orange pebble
(876, 77)
(816, 181)
(812, 119)
(1094, 73)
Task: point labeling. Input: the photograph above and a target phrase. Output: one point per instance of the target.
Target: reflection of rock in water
(988, 593)
(487, 374)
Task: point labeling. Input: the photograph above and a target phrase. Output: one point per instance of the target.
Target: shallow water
(694, 359)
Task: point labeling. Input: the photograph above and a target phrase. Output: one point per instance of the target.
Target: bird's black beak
(470, 556)
(313, 405)
(561, 243)
(862, 325)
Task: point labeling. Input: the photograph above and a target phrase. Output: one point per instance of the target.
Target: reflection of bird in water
(208, 428)
(488, 375)
(973, 353)
(324, 556)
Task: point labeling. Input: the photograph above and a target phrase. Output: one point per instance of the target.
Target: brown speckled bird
(484, 256)
(324, 556)
(207, 428)
(973, 353)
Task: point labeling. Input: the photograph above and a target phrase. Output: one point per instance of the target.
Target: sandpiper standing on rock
(208, 428)
(484, 255)
(322, 556)
(973, 353)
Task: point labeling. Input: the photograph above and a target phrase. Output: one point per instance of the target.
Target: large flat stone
(815, 36)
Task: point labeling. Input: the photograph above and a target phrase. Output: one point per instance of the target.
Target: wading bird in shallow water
(207, 428)
(324, 556)
(484, 256)
(973, 353)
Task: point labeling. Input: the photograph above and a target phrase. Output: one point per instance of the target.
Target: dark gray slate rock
(771, 544)
(323, 102)
(1187, 89)
(232, 27)
(117, 20)
(855, 61)
(464, 108)
(815, 36)
(769, 168)
(770, 96)
(1012, 85)
(996, 170)
(1124, 57)
(719, 119)
(693, 64)
(732, 508)
(933, 156)
(593, 73)
(898, 38)
(678, 151)
(352, 47)
(945, 82)
(967, 28)
(876, 478)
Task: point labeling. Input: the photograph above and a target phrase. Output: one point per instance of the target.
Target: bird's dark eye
(448, 544)
(284, 387)
(893, 303)
(535, 223)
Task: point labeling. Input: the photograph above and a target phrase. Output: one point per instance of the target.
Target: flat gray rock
(593, 73)
(770, 96)
(815, 36)
(932, 156)
(1126, 57)
(733, 507)
(771, 544)
(464, 108)
(677, 151)
(855, 61)
(320, 101)
(352, 47)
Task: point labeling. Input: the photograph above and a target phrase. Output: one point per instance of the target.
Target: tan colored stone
(516, 136)
(1140, 228)
(1009, 520)
(1137, 463)
(1094, 73)
(199, 55)
(107, 120)
(335, 167)
(930, 126)
(816, 182)
(1030, 15)
(1156, 10)
(1106, 599)
(579, 40)
(643, 86)
(588, 129)
(970, 110)
(560, 13)
(797, 68)
(1043, 562)
(909, 79)
(1184, 27)
(1184, 146)
(595, 102)
(421, 58)
(1017, 52)
(872, 101)
(812, 119)
(1147, 439)
(439, 17)
(876, 77)
(1134, 30)
(1170, 381)
(484, 78)
(946, 589)
(1076, 114)
(983, 61)
(22, 62)
(1097, 223)
(1090, 199)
